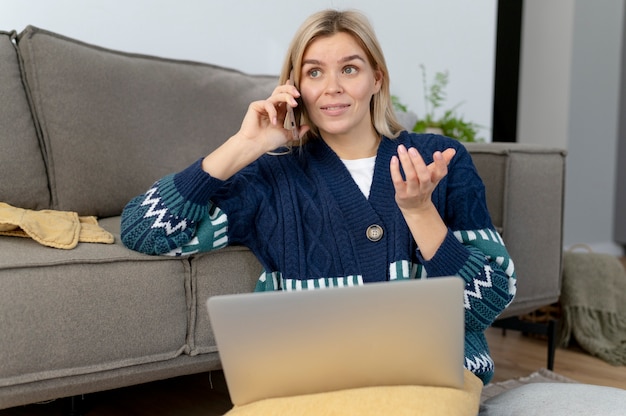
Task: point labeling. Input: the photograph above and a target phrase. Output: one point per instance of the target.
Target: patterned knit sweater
(306, 220)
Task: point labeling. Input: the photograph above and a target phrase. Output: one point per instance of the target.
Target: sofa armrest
(525, 193)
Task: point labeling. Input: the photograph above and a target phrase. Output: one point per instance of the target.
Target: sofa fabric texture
(85, 129)
(24, 182)
(95, 166)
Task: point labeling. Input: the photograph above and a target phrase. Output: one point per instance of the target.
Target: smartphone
(290, 121)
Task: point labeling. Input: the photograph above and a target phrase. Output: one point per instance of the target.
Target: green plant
(450, 123)
(397, 104)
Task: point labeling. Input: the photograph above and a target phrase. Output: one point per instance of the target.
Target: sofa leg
(549, 329)
(552, 336)
(75, 405)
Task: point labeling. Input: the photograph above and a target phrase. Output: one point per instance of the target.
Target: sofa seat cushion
(210, 276)
(93, 308)
(233, 269)
(24, 182)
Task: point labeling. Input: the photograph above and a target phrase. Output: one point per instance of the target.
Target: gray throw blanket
(593, 302)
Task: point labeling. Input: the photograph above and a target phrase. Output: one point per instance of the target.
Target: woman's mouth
(334, 109)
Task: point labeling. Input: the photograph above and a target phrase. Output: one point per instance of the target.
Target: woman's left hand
(414, 192)
(414, 195)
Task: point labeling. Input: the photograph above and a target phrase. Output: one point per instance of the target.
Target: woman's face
(337, 85)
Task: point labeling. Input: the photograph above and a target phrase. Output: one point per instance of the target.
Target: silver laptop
(277, 344)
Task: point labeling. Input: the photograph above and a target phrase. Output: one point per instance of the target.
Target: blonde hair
(330, 22)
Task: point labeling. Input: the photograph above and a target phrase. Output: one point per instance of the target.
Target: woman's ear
(378, 79)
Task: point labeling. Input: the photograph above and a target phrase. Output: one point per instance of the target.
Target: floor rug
(541, 376)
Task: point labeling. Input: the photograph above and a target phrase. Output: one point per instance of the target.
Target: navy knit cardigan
(306, 220)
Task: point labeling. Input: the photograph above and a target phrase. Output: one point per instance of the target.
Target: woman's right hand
(263, 124)
(262, 130)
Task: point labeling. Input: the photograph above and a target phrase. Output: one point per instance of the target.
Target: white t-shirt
(362, 171)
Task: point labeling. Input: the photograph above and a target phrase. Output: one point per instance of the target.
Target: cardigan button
(374, 232)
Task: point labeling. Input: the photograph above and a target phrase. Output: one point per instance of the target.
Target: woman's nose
(333, 84)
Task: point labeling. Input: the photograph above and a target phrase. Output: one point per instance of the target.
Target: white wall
(569, 96)
(253, 35)
(545, 66)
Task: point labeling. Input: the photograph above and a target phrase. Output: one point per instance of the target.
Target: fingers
(448, 154)
(396, 176)
(439, 167)
(285, 94)
(270, 111)
(263, 124)
(415, 188)
(416, 170)
(443, 158)
(274, 107)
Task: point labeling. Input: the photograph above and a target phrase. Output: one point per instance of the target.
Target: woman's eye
(314, 73)
(350, 70)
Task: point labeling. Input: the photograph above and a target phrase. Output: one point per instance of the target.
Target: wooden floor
(515, 354)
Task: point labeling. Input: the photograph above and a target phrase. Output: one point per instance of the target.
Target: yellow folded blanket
(58, 229)
(375, 401)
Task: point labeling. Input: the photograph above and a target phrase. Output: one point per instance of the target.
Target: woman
(360, 200)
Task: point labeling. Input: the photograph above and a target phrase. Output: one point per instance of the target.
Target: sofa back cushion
(23, 181)
(114, 122)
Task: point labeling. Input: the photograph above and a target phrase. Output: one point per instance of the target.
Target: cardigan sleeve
(168, 218)
(486, 268)
(472, 249)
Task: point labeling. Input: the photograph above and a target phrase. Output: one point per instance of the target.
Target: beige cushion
(375, 401)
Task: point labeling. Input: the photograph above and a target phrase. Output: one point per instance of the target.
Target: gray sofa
(85, 129)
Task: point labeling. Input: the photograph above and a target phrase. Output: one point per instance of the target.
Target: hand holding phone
(290, 124)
